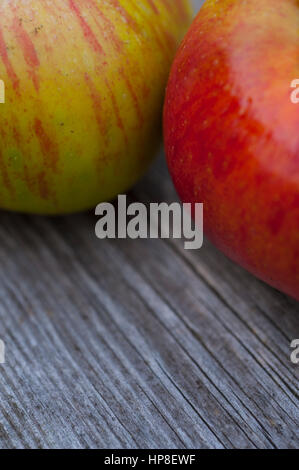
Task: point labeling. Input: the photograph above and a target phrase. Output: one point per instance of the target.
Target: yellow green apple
(84, 84)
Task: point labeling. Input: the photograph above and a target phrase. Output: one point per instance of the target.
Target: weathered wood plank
(141, 343)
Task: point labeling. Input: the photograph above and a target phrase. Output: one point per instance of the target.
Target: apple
(84, 87)
(231, 132)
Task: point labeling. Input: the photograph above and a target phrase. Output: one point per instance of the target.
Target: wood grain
(139, 344)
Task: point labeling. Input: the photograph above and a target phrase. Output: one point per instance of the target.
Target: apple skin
(84, 83)
(231, 132)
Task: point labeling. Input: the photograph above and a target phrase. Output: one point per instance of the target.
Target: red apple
(231, 132)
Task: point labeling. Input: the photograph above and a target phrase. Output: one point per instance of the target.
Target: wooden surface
(139, 344)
